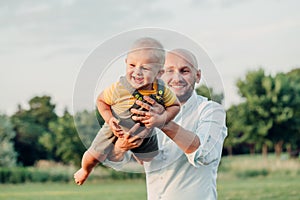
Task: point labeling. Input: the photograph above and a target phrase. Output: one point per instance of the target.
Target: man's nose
(177, 76)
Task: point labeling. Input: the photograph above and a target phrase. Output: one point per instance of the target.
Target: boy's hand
(114, 126)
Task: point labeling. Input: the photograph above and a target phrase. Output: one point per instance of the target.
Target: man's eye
(169, 71)
(184, 71)
(132, 65)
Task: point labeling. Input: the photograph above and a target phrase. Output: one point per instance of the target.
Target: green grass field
(108, 190)
(240, 178)
(260, 188)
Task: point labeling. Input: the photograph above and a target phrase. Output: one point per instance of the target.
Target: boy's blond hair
(148, 43)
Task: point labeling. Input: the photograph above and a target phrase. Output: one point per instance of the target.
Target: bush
(118, 175)
(18, 175)
(60, 178)
(5, 173)
(38, 176)
(252, 173)
(13, 175)
(21, 175)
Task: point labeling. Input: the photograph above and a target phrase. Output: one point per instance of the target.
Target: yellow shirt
(120, 100)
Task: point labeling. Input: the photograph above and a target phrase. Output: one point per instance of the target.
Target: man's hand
(154, 116)
(128, 142)
(151, 105)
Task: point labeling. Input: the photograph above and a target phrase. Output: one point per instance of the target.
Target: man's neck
(184, 99)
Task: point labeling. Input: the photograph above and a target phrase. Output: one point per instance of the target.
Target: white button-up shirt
(174, 175)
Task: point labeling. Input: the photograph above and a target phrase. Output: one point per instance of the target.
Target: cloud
(46, 41)
(211, 4)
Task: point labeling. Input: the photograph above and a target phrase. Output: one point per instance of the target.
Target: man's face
(180, 76)
(142, 67)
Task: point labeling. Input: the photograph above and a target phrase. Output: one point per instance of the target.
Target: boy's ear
(160, 73)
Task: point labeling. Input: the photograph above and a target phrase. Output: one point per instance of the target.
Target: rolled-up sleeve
(212, 131)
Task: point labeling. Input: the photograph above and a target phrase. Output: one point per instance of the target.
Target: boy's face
(142, 68)
(180, 76)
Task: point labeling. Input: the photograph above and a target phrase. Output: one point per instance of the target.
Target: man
(190, 146)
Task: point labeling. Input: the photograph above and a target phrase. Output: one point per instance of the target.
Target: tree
(8, 156)
(88, 124)
(29, 126)
(42, 110)
(68, 146)
(269, 108)
(294, 142)
(210, 94)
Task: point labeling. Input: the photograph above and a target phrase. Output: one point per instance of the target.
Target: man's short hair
(187, 56)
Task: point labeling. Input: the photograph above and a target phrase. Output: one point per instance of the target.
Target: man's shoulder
(208, 104)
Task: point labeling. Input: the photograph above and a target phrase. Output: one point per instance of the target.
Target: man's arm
(203, 145)
(211, 130)
(186, 140)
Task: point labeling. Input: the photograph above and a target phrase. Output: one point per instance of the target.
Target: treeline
(38, 133)
(267, 120)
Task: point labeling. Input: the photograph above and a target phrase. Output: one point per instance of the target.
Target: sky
(43, 44)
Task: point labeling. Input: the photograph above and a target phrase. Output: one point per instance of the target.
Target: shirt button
(164, 157)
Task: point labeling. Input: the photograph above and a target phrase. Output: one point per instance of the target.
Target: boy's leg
(97, 152)
(148, 149)
(103, 143)
(88, 162)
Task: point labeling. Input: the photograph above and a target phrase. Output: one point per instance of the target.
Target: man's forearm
(187, 141)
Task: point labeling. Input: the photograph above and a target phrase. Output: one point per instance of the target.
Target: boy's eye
(132, 65)
(145, 67)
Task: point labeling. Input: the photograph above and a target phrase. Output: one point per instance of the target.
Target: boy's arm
(104, 108)
(171, 111)
(106, 113)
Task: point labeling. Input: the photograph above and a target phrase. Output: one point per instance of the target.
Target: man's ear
(160, 73)
(126, 60)
(198, 76)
